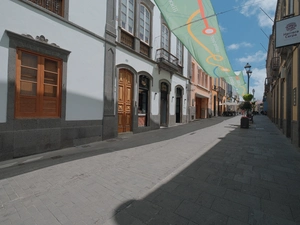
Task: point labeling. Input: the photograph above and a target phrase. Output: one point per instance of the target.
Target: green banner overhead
(195, 24)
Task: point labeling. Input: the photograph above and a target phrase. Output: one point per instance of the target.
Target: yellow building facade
(281, 98)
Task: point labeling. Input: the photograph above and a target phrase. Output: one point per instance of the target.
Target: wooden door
(125, 101)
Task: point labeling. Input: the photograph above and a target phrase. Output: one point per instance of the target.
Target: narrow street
(205, 172)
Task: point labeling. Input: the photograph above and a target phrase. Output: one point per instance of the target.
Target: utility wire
(229, 10)
(265, 34)
(266, 14)
(263, 47)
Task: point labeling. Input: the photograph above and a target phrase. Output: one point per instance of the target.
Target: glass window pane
(28, 88)
(50, 78)
(28, 74)
(50, 91)
(29, 60)
(51, 65)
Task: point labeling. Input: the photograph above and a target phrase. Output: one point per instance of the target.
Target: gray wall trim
(110, 119)
(28, 42)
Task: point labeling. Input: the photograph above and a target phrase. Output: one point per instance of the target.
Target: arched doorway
(164, 103)
(125, 101)
(143, 104)
(178, 104)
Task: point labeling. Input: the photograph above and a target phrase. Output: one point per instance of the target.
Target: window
(144, 24)
(127, 15)
(38, 86)
(193, 71)
(291, 7)
(55, 6)
(199, 76)
(144, 30)
(179, 52)
(165, 37)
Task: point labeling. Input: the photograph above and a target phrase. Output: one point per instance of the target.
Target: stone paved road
(205, 172)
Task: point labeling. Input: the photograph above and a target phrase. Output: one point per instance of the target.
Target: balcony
(221, 91)
(275, 63)
(167, 61)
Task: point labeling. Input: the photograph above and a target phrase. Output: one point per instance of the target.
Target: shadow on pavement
(249, 177)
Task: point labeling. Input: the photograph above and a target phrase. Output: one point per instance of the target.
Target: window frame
(40, 89)
(291, 7)
(27, 42)
(65, 8)
(179, 52)
(146, 10)
(167, 37)
(127, 16)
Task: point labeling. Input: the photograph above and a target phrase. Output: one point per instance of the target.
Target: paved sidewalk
(205, 172)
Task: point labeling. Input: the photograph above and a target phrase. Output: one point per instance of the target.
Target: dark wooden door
(125, 101)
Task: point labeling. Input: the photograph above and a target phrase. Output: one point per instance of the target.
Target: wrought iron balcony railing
(166, 60)
(275, 63)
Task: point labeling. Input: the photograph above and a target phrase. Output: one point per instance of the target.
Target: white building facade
(73, 73)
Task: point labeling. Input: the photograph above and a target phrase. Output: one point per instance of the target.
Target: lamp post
(249, 72)
(253, 91)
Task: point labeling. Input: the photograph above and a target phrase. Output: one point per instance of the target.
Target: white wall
(3, 76)
(85, 63)
(89, 14)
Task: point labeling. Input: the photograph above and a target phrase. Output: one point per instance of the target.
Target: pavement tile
(209, 188)
(243, 199)
(232, 221)
(206, 199)
(187, 209)
(267, 184)
(213, 179)
(244, 166)
(207, 216)
(257, 217)
(259, 192)
(143, 210)
(225, 174)
(231, 184)
(166, 216)
(276, 209)
(283, 198)
(167, 200)
(295, 208)
(190, 193)
(231, 209)
(242, 179)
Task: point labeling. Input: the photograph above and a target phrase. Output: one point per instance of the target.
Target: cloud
(237, 46)
(256, 8)
(257, 57)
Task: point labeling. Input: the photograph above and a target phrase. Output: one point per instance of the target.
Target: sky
(245, 26)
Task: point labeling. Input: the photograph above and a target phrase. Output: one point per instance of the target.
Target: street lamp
(249, 72)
